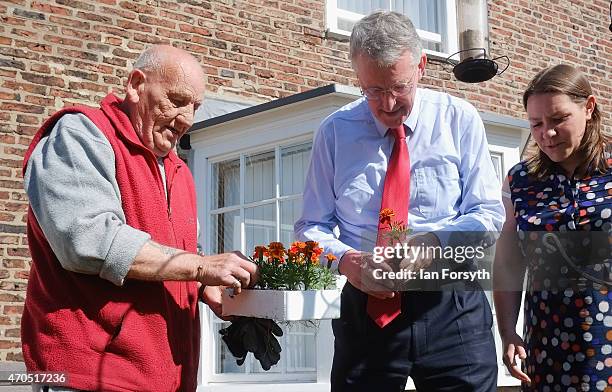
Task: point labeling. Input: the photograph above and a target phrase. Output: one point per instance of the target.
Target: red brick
(10, 263)
(9, 297)
(70, 22)
(127, 25)
(80, 54)
(21, 252)
(87, 86)
(149, 38)
(57, 63)
(21, 108)
(24, 33)
(42, 79)
(7, 20)
(50, 9)
(188, 28)
(12, 333)
(230, 38)
(62, 40)
(6, 344)
(19, 196)
(42, 101)
(120, 32)
(122, 13)
(25, 275)
(25, 130)
(138, 8)
(12, 286)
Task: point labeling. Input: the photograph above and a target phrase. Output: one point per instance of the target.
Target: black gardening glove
(256, 335)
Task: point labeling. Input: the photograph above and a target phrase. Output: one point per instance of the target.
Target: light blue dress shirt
(453, 186)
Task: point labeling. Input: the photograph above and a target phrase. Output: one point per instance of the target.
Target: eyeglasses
(398, 90)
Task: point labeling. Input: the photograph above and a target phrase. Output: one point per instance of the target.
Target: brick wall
(55, 53)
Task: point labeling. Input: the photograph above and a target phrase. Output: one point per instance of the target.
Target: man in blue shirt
(442, 339)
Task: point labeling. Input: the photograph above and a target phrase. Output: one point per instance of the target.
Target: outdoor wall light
(474, 66)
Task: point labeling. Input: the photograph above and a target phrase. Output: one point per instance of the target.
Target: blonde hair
(567, 80)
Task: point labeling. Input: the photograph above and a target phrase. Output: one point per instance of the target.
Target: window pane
(294, 162)
(260, 226)
(363, 7)
(226, 363)
(226, 231)
(497, 165)
(301, 347)
(259, 177)
(256, 366)
(226, 179)
(290, 211)
(424, 14)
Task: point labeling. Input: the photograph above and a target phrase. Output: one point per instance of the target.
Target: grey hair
(150, 60)
(384, 36)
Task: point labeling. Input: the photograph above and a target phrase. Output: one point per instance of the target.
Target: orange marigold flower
(276, 250)
(385, 215)
(260, 251)
(330, 257)
(312, 250)
(299, 245)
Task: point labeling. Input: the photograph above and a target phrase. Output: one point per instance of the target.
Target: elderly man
(112, 298)
(422, 157)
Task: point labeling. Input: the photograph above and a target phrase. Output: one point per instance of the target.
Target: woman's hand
(514, 346)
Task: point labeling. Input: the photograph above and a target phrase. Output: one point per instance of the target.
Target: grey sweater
(70, 181)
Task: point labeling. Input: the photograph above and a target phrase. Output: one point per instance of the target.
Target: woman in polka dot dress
(558, 229)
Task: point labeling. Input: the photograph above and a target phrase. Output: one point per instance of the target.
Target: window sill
(344, 36)
(338, 35)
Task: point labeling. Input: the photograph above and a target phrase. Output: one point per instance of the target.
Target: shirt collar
(410, 122)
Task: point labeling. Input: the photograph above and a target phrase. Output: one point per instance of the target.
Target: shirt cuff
(127, 243)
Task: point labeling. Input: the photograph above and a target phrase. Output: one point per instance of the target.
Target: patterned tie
(396, 195)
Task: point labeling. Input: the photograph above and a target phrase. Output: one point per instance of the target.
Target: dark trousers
(442, 339)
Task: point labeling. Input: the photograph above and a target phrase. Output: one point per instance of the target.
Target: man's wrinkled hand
(423, 258)
(227, 269)
(212, 296)
(359, 269)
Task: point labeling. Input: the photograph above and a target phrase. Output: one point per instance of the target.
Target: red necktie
(396, 195)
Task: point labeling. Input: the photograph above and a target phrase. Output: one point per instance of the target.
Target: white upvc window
(256, 196)
(435, 20)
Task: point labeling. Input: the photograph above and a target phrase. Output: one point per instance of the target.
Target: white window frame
(212, 376)
(448, 41)
(280, 126)
(502, 143)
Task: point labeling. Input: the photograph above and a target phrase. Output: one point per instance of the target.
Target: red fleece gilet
(143, 336)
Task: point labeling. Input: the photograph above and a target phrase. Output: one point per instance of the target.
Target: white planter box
(283, 305)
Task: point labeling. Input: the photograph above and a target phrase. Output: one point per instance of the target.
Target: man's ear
(135, 85)
(422, 63)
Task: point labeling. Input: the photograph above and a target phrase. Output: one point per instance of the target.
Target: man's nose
(185, 116)
(387, 101)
